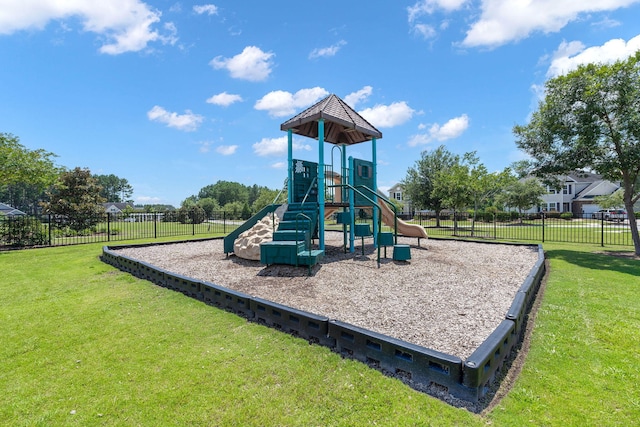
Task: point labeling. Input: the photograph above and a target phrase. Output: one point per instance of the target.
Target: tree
(225, 192)
(265, 198)
(611, 201)
(589, 120)
(24, 173)
(457, 185)
(209, 206)
(75, 200)
(418, 184)
(522, 194)
(114, 189)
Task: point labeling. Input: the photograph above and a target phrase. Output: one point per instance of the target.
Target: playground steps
(289, 245)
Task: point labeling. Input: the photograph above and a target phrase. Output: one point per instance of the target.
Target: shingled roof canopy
(342, 125)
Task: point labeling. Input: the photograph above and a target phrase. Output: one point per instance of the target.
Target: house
(577, 194)
(397, 193)
(115, 207)
(7, 210)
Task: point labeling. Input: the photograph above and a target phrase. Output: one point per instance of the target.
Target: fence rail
(537, 228)
(52, 230)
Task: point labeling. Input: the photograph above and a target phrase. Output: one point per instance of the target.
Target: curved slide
(404, 228)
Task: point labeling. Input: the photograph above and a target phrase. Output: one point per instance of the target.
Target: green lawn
(84, 344)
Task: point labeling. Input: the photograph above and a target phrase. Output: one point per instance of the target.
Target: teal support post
(321, 183)
(376, 214)
(343, 191)
(352, 213)
(290, 163)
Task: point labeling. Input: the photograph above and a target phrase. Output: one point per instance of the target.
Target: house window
(566, 189)
(397, 195)
(551, 190)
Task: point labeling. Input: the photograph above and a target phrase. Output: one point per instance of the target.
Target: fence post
(108, 226)
(193, 224)
(602, 229)
(224, 222)
(49, 217)
(543, 215)
(155, 225)
(495, 228)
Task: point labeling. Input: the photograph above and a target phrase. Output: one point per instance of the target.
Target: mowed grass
(84, 344)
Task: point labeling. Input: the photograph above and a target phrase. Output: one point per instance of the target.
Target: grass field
(84, 344)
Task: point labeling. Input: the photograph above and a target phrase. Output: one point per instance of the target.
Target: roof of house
(10, 211)
(342, 124)
(121, 206)
(583, 176)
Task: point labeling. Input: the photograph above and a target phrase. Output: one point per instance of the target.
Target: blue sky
(174, 96)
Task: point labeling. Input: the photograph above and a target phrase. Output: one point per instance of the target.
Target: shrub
(503, 216)
(552, 214)
(566, 216)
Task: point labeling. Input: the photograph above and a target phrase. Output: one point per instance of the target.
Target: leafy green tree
(522, 194)
(589, 120)
(266, 198)
(114, 189)
(209, 206)
(75, 200)
(457, 185)
(225, 192)
(24, 173)
(419, 183)
(233, 210)
(611, 201)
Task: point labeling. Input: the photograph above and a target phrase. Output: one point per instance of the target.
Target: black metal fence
(49, 230)
(52, 230)
(550, 227)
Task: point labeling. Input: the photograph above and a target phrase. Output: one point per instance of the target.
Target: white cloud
(277, 146)
(386, 116)
(450, 130)
(209, 9)
(226, 150)
(424, 30)
(224, 99)
(356, 97)
(124, 25)
(504, 21)
(327, 51)
(280, 103)
(570, 56)
(427, 7)
(186, 122)
(252, 64)
(279, 165)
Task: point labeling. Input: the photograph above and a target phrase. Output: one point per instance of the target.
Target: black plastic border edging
(418, 366)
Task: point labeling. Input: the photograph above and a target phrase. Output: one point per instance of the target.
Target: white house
(397, 193)
(577, 194)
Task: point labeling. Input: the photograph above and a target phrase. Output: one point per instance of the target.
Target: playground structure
(315, 191)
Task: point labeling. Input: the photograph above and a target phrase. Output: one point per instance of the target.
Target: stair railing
(374, 204)
(273, 214)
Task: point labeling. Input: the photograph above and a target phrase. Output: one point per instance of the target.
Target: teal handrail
(393, 207)
(374, 204)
